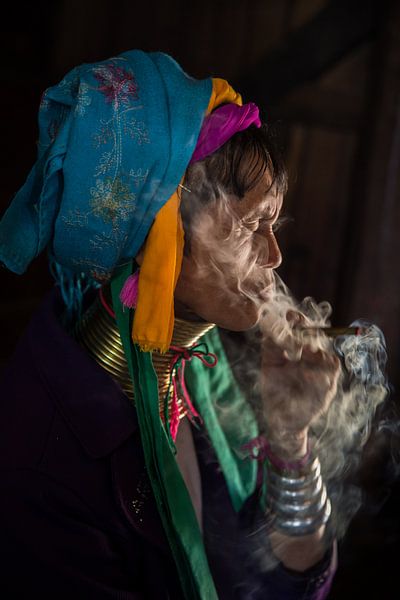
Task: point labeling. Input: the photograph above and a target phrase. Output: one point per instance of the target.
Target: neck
(97, 332)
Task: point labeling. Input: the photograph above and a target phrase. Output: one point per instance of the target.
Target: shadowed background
(328, 72)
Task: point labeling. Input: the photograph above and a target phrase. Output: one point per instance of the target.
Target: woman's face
(228, 273)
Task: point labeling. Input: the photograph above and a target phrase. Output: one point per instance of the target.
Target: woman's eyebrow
(267, 208)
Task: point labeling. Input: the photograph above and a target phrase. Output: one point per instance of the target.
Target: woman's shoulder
(51, 380)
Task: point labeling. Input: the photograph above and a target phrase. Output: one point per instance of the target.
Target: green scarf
(170, 492)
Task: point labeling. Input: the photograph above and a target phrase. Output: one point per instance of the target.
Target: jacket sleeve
(52, 546)
(313, 584)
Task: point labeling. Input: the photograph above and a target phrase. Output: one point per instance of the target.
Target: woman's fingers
(318, 356)
(273, 355)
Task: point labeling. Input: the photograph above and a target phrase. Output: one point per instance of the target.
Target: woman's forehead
(260, 202)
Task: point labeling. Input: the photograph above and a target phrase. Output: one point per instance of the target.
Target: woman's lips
(256, 292)
(262, 285)
(266, 293)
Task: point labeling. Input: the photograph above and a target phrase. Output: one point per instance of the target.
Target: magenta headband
(221, 125)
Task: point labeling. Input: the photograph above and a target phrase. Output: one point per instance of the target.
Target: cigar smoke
(335, 332)
(230, 258)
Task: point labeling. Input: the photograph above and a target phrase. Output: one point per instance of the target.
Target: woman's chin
(233, 318)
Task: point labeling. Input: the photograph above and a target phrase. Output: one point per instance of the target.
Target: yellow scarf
(162, 259)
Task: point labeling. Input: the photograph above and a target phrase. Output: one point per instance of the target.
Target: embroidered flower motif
(101, 242)
(106, 163)
(139, 176)
(112, 200)
(70, 83)
(75, 218)
(111, 132)
(83, 99)
(117, 84)
(137, 130)
(105, 134)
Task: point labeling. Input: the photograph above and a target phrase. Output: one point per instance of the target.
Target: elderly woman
(127, 444)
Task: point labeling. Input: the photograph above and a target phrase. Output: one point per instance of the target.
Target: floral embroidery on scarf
(118, 85)
(138, 176)
(100, 241)
(104, 134)
(111, 197)
(112, 200)
(83, 99)
(70, 83)
(76, 218)
(111, 132)
(136, 130)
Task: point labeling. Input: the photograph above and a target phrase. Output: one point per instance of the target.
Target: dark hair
(235, 168)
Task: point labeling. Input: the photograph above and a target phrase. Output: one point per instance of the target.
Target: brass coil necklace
(98, 334)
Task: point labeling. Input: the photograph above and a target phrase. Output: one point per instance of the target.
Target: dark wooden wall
(326, 71)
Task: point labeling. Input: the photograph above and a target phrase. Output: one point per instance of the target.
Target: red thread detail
(177, 364)
(105, 305)
(260, 449)
(117, 84)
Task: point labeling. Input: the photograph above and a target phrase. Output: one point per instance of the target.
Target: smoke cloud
(233, 255)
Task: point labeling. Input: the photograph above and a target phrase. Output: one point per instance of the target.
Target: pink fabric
(130, 290)
(221, 125)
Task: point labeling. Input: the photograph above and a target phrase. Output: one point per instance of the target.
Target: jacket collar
(95, 407)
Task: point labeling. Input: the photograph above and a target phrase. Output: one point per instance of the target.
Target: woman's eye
(249, 225)
(253, 225)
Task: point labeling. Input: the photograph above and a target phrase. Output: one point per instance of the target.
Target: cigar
(337, 331)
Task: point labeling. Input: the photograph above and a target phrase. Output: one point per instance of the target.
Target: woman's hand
(298, 383)
(295, 391)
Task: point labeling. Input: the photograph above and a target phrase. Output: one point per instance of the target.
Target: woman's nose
(267, 249)
(274, 253)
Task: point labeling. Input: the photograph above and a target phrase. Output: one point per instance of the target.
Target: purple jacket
(77, 516)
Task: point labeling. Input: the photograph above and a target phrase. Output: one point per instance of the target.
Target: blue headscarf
(115, 138)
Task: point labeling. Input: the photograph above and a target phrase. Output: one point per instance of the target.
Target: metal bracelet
(303, 526)
(298, 495)
(297, 501)
(294, 482)
(305, 508)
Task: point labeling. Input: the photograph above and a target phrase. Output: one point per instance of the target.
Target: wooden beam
(311, 50)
